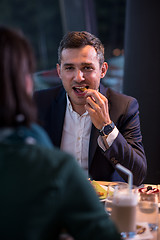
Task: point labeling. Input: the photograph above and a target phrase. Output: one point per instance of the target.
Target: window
(41, 23)
(111, 26)
(44, 23)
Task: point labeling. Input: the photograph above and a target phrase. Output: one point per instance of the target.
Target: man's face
(80, 68)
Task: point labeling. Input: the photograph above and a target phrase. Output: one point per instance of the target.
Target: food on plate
(110, 191)
(101, 192)
(140, 229)
(148, 190)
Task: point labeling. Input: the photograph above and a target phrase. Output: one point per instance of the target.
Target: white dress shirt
(76, 135)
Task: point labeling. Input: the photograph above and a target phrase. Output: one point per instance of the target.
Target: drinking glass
(123, 213)
(147, 209)
(110, 191)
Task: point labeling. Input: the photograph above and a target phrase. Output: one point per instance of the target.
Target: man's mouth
(80, 89)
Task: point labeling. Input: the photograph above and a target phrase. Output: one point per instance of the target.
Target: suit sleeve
(127, 149)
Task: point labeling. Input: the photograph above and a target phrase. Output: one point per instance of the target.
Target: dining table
(155, 235)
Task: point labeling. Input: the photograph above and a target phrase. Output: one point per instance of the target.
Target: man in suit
(99, 126)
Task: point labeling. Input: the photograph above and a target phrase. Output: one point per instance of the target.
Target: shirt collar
(69, 106)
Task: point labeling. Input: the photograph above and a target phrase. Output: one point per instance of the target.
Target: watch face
(107, 129)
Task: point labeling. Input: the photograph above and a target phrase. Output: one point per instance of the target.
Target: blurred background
(46, 21)
(130, 32)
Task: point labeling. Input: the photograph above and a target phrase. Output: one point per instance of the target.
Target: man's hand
(97, 107)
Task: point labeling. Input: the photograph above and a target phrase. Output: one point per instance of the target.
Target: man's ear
(29, 84)
(58, 70)
(104, 69)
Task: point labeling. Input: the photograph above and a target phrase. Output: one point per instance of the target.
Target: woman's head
(16, 67)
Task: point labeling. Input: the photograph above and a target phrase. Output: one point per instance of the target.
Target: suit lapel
(93, 143)
(57, 115)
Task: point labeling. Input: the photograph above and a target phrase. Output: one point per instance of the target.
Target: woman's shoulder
(40, 135)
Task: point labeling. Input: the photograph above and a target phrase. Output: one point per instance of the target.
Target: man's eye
(69, 68)
(88, 68)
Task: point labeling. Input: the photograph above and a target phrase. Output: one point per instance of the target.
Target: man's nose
(79, 76)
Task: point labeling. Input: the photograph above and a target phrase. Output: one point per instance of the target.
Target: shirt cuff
(109, 140)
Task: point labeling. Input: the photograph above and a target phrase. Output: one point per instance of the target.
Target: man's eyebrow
(68, 64)
(86, 64)
(82, 64)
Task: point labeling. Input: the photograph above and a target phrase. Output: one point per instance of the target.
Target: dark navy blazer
(127, 149)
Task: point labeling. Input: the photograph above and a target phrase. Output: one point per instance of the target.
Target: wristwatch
(107, 129)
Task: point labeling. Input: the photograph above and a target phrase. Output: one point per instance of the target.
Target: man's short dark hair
(76, 39)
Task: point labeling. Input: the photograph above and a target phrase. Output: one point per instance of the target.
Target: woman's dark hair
(16, 61)
(81, 39)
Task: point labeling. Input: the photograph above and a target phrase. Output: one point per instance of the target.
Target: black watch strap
(107, 129)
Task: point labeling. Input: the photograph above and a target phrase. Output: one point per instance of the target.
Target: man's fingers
(97, 97)
(92, 103)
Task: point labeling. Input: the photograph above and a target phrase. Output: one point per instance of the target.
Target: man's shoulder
(117, 95)
(49, 91)
(45, 96)
(114, 95)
